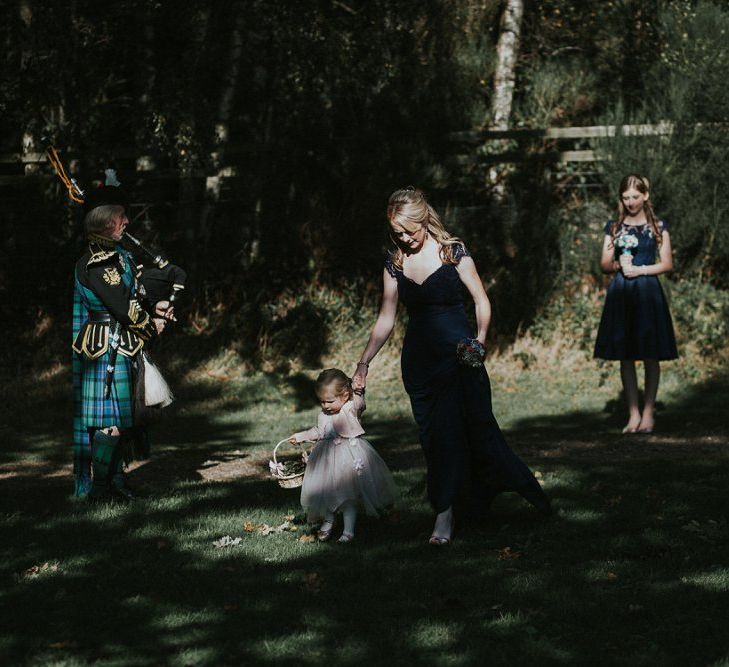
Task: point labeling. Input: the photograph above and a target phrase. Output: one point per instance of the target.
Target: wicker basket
(286, 481)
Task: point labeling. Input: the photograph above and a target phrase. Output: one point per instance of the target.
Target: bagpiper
(112, 323)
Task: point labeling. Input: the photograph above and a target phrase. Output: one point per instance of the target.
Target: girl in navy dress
(468, 460)
(636, 323)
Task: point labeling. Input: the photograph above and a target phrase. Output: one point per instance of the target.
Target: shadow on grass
(634, 554)
(630, 568)
(695, 423)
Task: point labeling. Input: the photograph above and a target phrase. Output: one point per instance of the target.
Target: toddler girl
(344, 473)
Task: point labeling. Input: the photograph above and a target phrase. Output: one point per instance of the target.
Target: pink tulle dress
(343, 466)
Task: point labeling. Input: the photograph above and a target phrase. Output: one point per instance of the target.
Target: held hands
(359, 379)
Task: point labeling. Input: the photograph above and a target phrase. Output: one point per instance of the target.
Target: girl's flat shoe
(644, 430)
(325, 534)
(346, 537)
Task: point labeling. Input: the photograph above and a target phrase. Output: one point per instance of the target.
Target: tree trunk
(507, 51)
(222, 128)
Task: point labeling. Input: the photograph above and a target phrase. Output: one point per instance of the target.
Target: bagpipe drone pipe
(162, 280)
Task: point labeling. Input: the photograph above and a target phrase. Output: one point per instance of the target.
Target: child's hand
(292, 439)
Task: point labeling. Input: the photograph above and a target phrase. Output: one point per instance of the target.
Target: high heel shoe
(439, 541)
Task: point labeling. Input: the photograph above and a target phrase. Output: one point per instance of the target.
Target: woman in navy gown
(467, 458)
(636, 323)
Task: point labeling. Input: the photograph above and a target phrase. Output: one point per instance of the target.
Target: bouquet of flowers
(626, 243)
(470, 352)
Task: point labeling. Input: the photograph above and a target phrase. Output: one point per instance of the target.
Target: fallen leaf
(264, 529)
(67, 644)
(306, 539)
(611, 576)
(312, 582)
(35, 570)
(249, 527)
(538, 474)
(227, 541)
(507, 554)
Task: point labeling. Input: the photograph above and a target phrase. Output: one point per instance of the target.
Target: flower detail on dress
(358, 466)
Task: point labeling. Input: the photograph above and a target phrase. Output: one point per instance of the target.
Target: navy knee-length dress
(468, 459)
(636, 322)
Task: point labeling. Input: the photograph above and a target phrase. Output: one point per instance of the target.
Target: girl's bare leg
(630, 388)
(652, 379)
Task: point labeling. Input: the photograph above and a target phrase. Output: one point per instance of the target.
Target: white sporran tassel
(157, 392)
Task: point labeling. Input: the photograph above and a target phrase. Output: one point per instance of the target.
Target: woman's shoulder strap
(459, 252)
(390, 266)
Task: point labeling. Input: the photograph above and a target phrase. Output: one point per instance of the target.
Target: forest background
(261, 140)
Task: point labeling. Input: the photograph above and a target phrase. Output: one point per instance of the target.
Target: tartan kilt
(91, 409)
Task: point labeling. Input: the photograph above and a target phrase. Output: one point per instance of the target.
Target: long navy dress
(466, 454)
(636, 323)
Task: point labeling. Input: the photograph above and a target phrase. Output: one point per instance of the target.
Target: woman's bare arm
(381, 331)
(469, 277)
(607, 259)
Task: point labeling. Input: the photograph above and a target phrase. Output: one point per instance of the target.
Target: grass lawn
(632, 569)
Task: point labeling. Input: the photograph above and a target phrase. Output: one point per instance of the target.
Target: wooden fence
(18, 167)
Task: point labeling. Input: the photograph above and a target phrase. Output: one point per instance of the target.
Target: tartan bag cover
(91, 409)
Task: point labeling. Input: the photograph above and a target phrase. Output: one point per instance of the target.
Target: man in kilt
(111, 324)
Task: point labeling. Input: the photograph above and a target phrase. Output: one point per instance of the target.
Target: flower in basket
(626, 243)
(470, 352)
(276, 468)
(293, 468)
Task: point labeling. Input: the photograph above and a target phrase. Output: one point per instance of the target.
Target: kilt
(90, 408)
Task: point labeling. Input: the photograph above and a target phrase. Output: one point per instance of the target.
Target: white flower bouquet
(626, 243)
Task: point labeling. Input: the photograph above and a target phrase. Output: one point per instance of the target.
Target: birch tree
(507, 52)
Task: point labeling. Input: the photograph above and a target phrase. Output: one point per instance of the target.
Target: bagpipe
(162, 280)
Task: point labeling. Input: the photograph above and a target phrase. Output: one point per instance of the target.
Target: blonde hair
(408, 208)
(642, 185)
(333, 376)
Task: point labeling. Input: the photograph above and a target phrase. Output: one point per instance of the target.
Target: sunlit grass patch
(716, 581)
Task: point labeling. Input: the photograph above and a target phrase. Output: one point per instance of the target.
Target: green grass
(632, 569)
